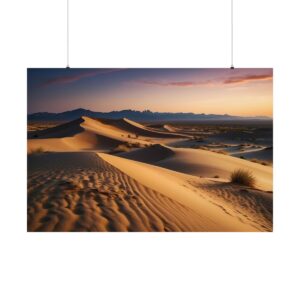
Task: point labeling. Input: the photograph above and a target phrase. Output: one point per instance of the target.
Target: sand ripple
(82, 192)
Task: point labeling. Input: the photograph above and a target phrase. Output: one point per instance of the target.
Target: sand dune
(219, 206)
(152, 154)
(78, 186)
(90, 134)
(60, 131)
(201, 163)
(130, 127)
(265, 154)
(81, 191)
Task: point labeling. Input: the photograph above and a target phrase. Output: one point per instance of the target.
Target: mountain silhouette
(135, 115)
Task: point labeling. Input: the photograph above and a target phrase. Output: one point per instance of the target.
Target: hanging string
(68, 36)
(232, 67)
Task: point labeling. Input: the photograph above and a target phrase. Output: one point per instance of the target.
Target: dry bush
(126, 147)
(202, 148)
(136, 145)
(37, 150)
(258, 161)
(220, 152)
(242, 177)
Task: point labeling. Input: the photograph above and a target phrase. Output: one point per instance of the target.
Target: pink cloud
(76, 77)
(218, 81)
(247, 78)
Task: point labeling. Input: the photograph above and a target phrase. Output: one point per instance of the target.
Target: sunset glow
(243, 92)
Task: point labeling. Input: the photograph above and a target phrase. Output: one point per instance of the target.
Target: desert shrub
(216, 176)
(262, 162)
(37, 150)
(40, 150)
(126, 147)
(137, 145)
(242, 177)
(220, 152)
(202, 148)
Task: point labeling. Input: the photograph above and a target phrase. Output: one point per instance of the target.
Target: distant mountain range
(138, 116)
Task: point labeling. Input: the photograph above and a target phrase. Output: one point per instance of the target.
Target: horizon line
(180, 112)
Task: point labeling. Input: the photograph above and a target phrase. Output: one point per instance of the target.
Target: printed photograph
(150, 150)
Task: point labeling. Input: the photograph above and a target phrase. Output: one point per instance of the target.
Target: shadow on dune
(64, 130)
(151, 154)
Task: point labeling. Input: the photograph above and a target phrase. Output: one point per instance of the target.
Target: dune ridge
(214, 213)
(135, 128)
(85, 193)
(63, 130)
(201, 163)
(95, 134)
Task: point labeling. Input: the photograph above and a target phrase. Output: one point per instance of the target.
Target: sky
(240, 92)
